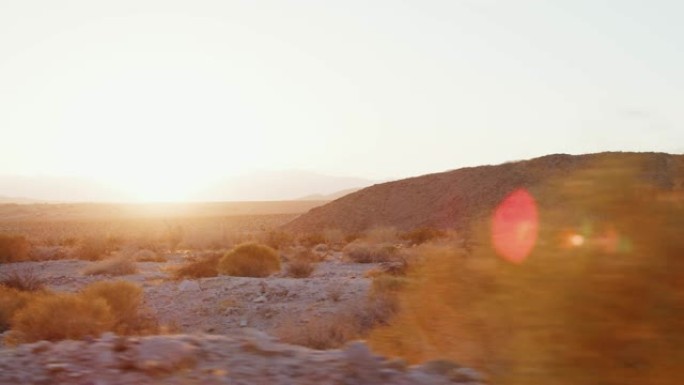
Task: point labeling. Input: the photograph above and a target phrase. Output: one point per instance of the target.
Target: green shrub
(13, 248)
(250, 260)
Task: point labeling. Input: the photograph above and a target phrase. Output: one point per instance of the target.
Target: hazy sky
(152, 95)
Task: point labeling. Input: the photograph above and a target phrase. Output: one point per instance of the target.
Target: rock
(188, 285)
(260, 299)
(165, 354)
(243, 323)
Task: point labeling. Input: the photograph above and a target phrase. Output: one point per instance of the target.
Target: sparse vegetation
(205, 265)
(250, 260)
(421, 235)
(117, 265)
(13, 248)
(125, 301)
(11, 300)
(23, 280)
(299, 268)
(146, 255)
(60, 316)
(362, 252)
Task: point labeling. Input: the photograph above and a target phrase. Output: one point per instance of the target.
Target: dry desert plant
(206, 265)
(146, 255)
(11, 300)
(13, 248)
(299, 268)
(24, 280)
(124, 300)
(250, 260)
(362, 252)
(117, 265)
(60, 316)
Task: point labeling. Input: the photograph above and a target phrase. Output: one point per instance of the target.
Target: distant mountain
(262, 186)
(329, 197)
(279, 185)
(453, 199)
(59, 189)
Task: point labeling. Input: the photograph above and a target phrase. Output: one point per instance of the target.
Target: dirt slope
(452, 199)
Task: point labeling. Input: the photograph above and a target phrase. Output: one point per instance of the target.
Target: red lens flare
(515, 226)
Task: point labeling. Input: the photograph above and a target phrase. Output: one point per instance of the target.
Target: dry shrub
(599, 299)
(124, 300)
(250, 260)
(146, 255)
(381, 235)
(311, 239)
(278, 239)
(117, 265)
(353, 321)
(60, 316)
(385, 284)
(334, 236)
(11, 300)
(13, 248)
(299, 268)
(93, 249)
(361, 252)
(206, 265)
(422, 235)
(22, 279)
(47, 253)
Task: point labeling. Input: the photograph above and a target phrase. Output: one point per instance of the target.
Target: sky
(160, 96)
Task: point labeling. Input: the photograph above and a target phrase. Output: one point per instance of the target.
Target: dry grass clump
(205, 265)
(124, 300)
(422, 235)
(598, 300)
(23, 280)
(311, 239)
(278, 239)
(362, 252)
(381, 235)
(13, 248)
(11, 300)
(146, 255)
(117, 265)
(93, 249)
(250, 260)
(331, 331)
(60, 316)
(99, 307)
(299, 268)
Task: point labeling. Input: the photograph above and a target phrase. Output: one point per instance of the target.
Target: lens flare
(515, 226)
(576, 240)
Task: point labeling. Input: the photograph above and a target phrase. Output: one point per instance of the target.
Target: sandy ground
(225, 327)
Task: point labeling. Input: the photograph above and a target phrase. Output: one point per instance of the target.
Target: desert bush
(598, 299)
(13, 248)
(331, 331)
(117, 265)
(146, 255)
(93, 249)
(205, 265)
(22, 279)
(125, 301)
(47, 253)
(311, 239)
(381, 234)
(250, 260)
(422, 235)
(361, 252)
(385, 284)
(11, 300)
(278, 239)
(299, 268)
(60, 316)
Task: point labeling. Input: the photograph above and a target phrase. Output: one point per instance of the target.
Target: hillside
(452, 199)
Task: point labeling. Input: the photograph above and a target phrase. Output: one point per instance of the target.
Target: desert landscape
(473, 192)
(259, 292)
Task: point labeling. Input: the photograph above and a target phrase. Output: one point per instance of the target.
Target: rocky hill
(452, 199)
